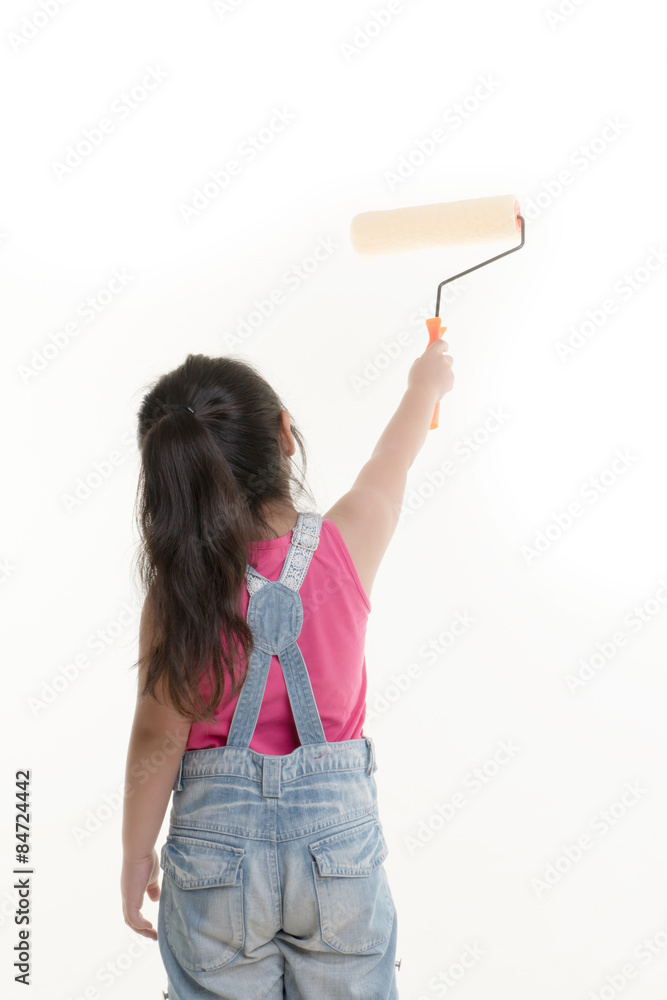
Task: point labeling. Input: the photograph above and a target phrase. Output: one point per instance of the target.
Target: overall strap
(275, 616)
(305, 539)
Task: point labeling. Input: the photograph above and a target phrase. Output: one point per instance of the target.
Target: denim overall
(274, 886)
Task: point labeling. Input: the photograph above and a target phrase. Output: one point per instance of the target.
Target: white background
(361, 96)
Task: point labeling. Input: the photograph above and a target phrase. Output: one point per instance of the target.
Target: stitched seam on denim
(243, 931)
(284, 781)
(223, 774)
(297, 834)
(222, 830)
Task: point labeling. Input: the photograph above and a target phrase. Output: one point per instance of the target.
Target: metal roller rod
(497, 257)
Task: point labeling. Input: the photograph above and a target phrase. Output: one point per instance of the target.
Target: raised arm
(368, 513)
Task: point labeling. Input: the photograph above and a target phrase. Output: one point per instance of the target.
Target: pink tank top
(332, 641)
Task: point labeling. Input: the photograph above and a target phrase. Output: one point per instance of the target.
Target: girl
(274, 885)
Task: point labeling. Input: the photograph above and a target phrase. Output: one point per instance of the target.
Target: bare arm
(157, 742)
(403, 439)
(368, 513)
(152, 763)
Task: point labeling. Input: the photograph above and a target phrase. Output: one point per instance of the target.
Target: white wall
(539, 90)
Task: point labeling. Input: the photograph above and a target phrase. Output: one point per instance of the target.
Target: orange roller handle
(435, 332)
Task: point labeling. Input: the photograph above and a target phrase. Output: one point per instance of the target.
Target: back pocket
(355, 903)
(203, 900)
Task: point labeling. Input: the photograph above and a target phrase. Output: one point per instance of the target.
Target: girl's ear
(288, 438)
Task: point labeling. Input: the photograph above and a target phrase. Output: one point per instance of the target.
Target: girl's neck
(281, 521)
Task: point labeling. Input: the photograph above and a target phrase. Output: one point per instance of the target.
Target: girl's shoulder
(340, 533)
(366, 527)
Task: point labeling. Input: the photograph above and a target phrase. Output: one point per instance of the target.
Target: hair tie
(169, 407)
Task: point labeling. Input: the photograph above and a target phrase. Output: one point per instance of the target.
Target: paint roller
(423, 227)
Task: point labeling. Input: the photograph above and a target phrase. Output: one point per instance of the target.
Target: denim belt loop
(371, 760)
(271, 768)
(178, 783)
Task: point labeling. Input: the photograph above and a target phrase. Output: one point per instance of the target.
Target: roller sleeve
(422, 227)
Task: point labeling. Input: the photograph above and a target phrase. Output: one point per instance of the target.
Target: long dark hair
(205, 480)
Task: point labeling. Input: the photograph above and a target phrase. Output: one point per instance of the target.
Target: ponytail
(204, 478)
